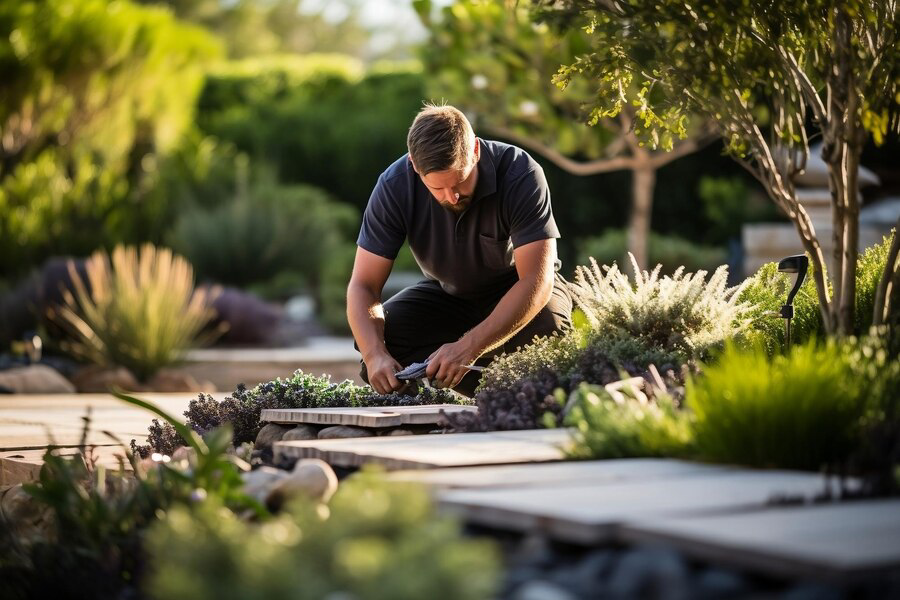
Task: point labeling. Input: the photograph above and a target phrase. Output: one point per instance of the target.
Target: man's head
(444, 151)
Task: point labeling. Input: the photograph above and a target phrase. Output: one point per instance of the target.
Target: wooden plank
(842, 542)
(590, 512)
(24, 466)
(375, 416)
(435, 450)
(543, 474)
(34, 421)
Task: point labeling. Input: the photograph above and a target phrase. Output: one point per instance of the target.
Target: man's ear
(412, 164)
(477, 149)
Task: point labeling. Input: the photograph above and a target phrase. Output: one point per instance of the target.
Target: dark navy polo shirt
(469, 254)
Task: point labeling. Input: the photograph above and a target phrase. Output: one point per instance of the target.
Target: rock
(719, 583)
(35, 379)
(169, 380)
(301, 432)
(399, 431)
(311, 478)
(184, 453)
(270, 434)
(650, 573)
(96, 379)
(344, 431)
(23, 514)
(259, 482)
(542, 590)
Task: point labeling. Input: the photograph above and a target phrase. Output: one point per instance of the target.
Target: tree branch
(885, 291)
(603, 165)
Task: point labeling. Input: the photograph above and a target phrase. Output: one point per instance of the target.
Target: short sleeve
(529, 212)
(383, 231)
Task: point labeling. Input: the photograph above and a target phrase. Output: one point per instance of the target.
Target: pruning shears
(416, 372)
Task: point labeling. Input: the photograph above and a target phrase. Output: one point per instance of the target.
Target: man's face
(453, 189)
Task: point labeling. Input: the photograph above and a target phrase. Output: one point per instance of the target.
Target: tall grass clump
(801, 410)
(136, 309)
(683, 314)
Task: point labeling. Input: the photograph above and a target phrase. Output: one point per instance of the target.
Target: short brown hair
(440, 138)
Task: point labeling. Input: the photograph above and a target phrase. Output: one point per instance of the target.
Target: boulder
(35, 379)
(311, 478)
(258, 482)
(270, 434)
(301, 432)
(399, 431)
(169, 380)
(95, 379)
(344, 431)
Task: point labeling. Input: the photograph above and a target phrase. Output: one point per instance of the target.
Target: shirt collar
(487, 172)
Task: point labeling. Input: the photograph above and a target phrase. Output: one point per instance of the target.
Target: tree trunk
(643, 182)
(889, 280)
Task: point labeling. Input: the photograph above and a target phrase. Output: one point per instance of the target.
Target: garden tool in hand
(416, 372)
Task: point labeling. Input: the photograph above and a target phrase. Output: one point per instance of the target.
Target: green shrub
(728, 203)
(558, 353)
(92, 98)
(374, 541)
(269, 231)
(683, 315)
(605, 428)
(801, 410)
(869, 271)
(316, 119)
(92, 521)
(332, 309)
(241, 410)
(667, 250)
(765, 293)
(137, 309)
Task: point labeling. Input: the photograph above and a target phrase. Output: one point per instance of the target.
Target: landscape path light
(799, 263)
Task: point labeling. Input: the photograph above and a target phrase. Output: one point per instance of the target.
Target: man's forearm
(517, 308)
(365, 316)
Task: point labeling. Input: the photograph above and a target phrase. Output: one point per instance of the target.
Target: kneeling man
(479, 223)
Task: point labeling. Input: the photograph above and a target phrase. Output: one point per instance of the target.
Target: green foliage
(137, 309)
(728, 203)
(316, 119)
(669, 251)
(736, 63)
(352, 547)
(869, 271)
(263, 233)
(97, 519)
(877, 458)
(765, 293)
(682, 314)
(91, 96)
(241, 410)
(558, 352)
(607, 428)
(801, 410)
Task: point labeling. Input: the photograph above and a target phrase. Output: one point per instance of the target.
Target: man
(478, 219)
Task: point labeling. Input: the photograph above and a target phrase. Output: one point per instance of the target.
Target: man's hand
(381, 369)
(445, 366)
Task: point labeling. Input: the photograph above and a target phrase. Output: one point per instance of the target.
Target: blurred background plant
(351, 547)
(135, 308)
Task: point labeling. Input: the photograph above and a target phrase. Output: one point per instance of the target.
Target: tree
(770, 75)
(497, 64)
(92, 94)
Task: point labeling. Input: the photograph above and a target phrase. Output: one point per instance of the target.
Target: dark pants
(423, 317)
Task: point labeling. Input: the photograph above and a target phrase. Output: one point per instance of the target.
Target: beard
(460, 207)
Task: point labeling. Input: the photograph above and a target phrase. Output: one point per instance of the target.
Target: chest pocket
(497, 254)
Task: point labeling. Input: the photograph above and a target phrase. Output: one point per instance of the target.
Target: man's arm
(524, 300)
(365, 315)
